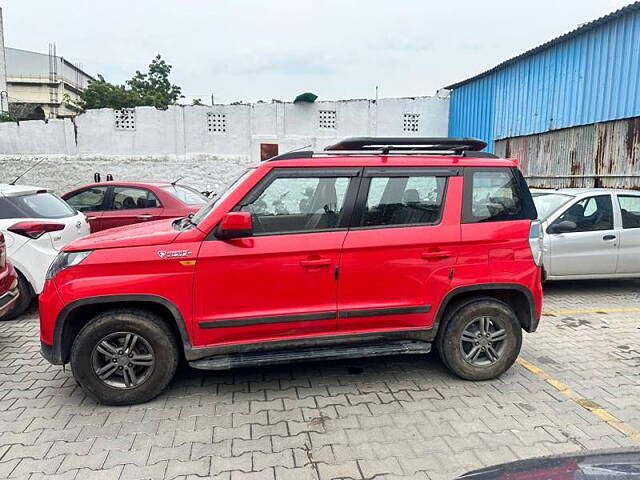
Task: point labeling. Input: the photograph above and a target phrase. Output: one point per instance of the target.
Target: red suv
(114, 204)
(8, 281)
(375, 246)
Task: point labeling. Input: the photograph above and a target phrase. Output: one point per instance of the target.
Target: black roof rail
(387, 144)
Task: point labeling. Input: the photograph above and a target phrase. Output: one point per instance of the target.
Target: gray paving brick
(227, 464)
(28, 465)
(199, 467)
(182, 452)
(93, 461)
(134, 472)
(119, 457)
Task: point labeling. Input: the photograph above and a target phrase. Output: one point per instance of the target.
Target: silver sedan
(589, 232)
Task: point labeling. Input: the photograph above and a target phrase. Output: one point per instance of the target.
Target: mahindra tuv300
(374, 246)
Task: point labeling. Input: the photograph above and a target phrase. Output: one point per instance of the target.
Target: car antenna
(26, 171)
(296, 149)
(173, 184)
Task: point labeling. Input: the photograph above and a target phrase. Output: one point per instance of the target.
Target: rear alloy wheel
(481, 340)
(124, 357)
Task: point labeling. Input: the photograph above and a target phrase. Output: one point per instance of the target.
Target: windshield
(37, 205)
(547, 203)
(186, 195)
(224, 193)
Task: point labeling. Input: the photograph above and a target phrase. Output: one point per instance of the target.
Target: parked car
(36, 224)
(8, 282)
(114, 204)
(620, 464)
(589, 233)
(309, 256)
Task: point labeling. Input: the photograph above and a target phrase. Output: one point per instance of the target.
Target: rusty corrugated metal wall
(599, 155)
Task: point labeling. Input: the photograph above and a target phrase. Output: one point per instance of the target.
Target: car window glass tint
(186, 195)
(127, 198)
(403, 201)
(87, 200)
(299, 204)
(630, 209)
(495, 196)
(40, 205)
(590, 214)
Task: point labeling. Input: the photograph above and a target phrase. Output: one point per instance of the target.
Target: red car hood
(159, 232)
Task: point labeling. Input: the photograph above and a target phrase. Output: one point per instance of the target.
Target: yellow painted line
(613, 421)
(591, 310)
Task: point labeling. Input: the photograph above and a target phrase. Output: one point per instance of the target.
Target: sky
(250, 50)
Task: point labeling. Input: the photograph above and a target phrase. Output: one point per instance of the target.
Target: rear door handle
(315, 262)
(609, 237)
(91, 218)
(146, 216)
(435, 255)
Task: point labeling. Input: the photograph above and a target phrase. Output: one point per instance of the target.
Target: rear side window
(496, 194)
(630, 209)
(38, 205)
(126, 198)
(411, 200)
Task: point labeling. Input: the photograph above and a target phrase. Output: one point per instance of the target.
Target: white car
(36, 224)
(589, 233)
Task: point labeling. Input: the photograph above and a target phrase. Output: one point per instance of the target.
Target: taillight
(3, 253)
(35, 229)
(535, 241)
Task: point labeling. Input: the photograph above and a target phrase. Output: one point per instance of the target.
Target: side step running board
(334, 352)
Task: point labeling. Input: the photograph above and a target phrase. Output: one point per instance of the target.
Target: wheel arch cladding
(518, 297)
(76, 315)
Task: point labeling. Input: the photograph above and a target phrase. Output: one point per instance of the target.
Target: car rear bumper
(8, 281)
(8, 299)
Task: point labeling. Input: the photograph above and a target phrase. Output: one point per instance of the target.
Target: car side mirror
(563, 227)
(235, 225)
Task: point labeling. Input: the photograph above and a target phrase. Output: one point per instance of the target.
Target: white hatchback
(36, 224)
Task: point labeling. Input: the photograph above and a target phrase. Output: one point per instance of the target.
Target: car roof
(577, 192)
(395, 160)
(7, 190)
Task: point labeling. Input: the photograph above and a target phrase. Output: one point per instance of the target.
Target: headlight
(64, 260)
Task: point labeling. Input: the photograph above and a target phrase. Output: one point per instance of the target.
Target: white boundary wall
(165, 144)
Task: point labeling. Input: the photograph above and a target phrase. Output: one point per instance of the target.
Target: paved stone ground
(401, 417)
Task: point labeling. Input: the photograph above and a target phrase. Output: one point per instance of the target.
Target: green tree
(144, 89)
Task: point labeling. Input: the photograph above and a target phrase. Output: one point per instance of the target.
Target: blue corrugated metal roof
(589, 75)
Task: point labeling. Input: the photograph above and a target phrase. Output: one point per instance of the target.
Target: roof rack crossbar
(387, 144)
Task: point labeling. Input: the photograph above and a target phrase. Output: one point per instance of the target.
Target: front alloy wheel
(123, 360)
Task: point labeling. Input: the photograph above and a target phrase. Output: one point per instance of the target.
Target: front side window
(299, 204)
(88, 200)
(495, 195)
(590, 214)
(630, 209)
(415, 200)
(127, 198)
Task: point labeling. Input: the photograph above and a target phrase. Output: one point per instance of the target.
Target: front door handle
(435, 255)
(315, 262)
(146, 216)
(609, 237)
(89, 219)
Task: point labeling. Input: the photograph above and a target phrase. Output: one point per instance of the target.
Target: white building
(37, 83)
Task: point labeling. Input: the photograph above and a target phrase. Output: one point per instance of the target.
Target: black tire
(154, 337)
(489, 363)
(24, 300)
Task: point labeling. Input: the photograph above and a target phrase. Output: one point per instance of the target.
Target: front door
(281, 282)
(127, 205)
(592, 248)
(397, 259)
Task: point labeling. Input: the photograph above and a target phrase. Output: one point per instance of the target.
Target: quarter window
(630, 209)
(590, 214)
(299, 205)
(496, 194)
(88, 200)
(413, 200)
(127, 198)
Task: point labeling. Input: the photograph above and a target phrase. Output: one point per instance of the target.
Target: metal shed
(529, 105)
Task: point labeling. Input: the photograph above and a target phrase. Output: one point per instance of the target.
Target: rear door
(629, 249)
(592, 248)
(127, 205)
(399, 251)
